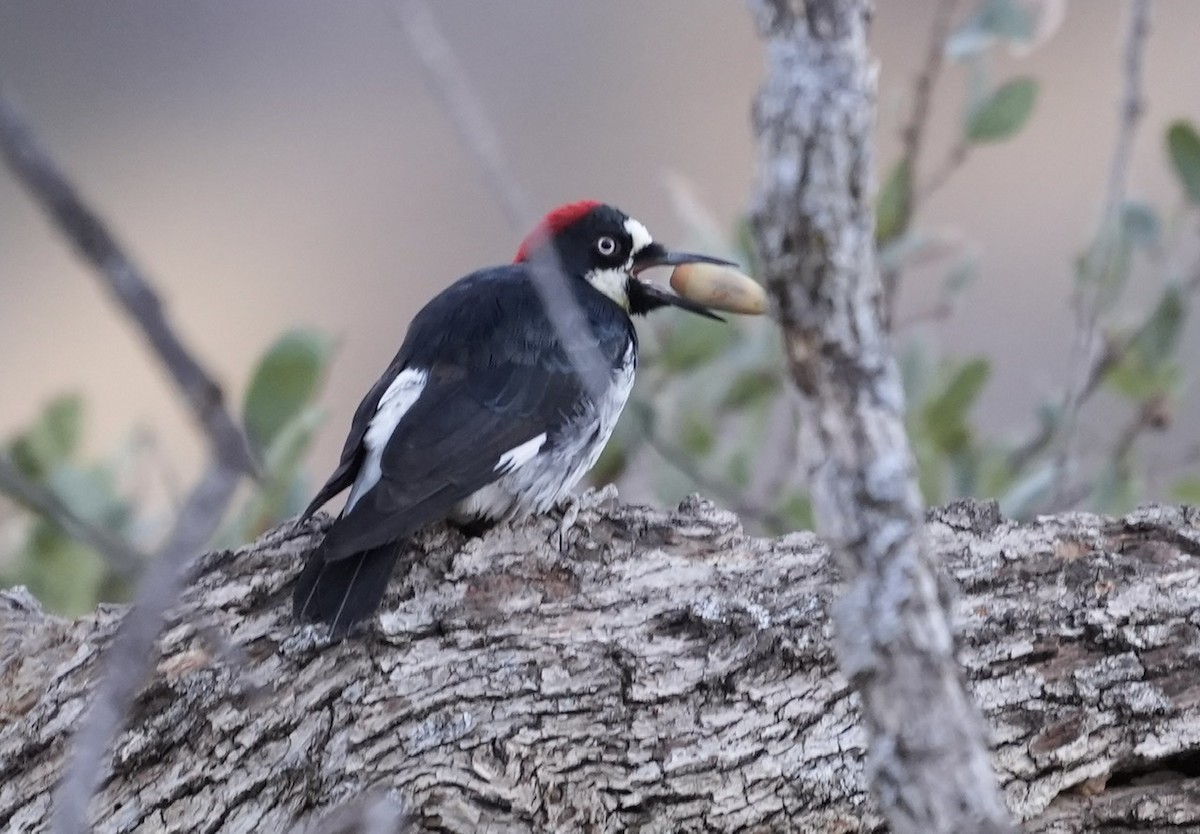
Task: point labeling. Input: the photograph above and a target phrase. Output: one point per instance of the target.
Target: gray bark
(643, 670)
(814, 229)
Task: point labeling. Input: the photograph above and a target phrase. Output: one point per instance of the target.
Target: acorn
(719, 288)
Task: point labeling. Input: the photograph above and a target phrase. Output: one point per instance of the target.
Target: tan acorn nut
(719, 287)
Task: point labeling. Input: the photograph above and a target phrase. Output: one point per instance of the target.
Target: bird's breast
(561, 461)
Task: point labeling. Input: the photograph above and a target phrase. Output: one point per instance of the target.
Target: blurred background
(274, 164)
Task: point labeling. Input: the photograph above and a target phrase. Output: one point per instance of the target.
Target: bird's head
(609, 249)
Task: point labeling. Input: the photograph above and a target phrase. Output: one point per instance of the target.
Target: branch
(450, 85)
(91, 237)
(814, 229)
(913, 133)
(1091, 360)
(954, 160)
(131, 655)
(658, 671)
(121, 556)
(935, 50)
(131, 652)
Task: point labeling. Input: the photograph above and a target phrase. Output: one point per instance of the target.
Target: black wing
(449, 444)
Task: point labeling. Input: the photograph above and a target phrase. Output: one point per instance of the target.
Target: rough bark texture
(814, 227)
(643, 670)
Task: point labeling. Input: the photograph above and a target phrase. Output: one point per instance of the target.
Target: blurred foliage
(1003, 112)
(70, 577)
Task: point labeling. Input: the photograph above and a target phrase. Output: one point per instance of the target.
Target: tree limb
(1093, 357)
(88, 232)
(209, 499)
(123, 558)
(661, 671)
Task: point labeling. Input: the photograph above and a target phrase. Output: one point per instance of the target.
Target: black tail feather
(343, 592)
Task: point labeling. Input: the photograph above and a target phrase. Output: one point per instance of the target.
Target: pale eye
(606, 246)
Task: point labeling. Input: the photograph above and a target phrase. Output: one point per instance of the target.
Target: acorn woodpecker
(482, 416)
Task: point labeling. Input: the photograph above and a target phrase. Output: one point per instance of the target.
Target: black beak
(651, 296)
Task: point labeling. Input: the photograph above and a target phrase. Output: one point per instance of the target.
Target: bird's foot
(568, 510)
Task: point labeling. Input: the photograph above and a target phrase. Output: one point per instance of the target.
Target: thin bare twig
(450, 85)
(1091, 358)
(953, 161)
(1112, 354)
(686, 466)
(88, 232)
(914, 132)
(935, 51)
(131, 655)
(1154, 414)
(121, 556)
(939, 311)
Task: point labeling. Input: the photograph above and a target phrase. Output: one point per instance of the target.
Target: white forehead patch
(639, 234)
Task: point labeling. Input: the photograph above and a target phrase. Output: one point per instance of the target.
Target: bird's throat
(613, 283)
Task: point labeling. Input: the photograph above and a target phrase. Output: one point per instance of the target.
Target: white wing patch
(393, 405)
(639, 233)
(520, 455)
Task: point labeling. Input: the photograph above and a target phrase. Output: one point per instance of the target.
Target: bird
(482, 416)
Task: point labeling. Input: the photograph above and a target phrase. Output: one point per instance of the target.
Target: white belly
(538, 483)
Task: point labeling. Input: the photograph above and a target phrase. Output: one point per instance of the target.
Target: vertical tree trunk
(928, 763)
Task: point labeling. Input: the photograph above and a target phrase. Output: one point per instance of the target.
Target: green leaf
(930, 472)
(92, 495)
(995, 475)
(1159, 336)
(52, 440)
(960, 276)
(1183, 145)
(65, 575)
(1002, 113)
(797, 509)
(916, 371)
(276, 500)
(611, 464)
(1134, 380)
(1006, 19)
(1187, 490)
(1140, 223)
(1149, 367)
(945, 417)
(286, 380)
(693, 342)
(697, 437)
(750, 388)
(894, 204)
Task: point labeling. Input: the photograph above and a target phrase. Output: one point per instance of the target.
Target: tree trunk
(814, 231)
(640, 670)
